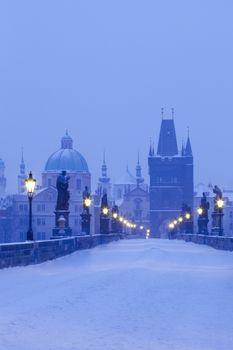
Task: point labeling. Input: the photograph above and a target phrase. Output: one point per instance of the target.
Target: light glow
(200, 211)
(30, 184)
(87, 202)
(105, 211)
(220, 203)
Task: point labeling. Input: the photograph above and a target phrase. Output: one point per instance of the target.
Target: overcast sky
(104, 69)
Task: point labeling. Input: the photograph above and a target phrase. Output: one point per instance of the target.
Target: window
(21, 207)
(25, 207)
(49, 182)
(43, 207)
(76, 208)
(231, 214)
(43, 221)
(76, 222)
(38, 207)
(78, 185)
(119, 193)
(38, 221)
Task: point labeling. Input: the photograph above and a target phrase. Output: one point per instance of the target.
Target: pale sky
(104, 69)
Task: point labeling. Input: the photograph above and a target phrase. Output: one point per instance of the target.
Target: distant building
(131, 194)
(171, 178)
(44, 201)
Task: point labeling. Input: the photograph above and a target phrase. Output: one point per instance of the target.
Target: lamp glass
(220, 203)
(30, 184)
(105, 211)
(87, 202)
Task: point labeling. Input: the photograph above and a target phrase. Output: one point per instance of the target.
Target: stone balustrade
(28, 253)
(217, 242)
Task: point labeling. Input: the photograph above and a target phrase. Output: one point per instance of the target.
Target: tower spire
(139, 172)
(188, 148)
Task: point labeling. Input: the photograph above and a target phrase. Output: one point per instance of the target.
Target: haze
(104, 69)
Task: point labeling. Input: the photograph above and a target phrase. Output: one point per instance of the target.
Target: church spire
(22, 175)
(22, 164)
(104, 167)
(139, 172)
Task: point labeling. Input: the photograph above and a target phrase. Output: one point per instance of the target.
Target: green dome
(66, 158)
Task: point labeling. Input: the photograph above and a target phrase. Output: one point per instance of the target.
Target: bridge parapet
(29, 253)
(217, 242)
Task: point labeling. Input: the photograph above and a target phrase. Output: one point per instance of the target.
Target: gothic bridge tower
(171, 178)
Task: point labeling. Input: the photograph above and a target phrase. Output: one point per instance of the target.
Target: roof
(127, 179)
(66, 158)
(167, 140)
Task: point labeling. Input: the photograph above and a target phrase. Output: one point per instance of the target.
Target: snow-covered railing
(28, 253)
(217, 242)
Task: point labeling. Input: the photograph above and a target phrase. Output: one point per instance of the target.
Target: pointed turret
(188, 148)
(183, 149)
(167, 146)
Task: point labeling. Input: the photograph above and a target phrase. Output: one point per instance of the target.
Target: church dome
(66, 158)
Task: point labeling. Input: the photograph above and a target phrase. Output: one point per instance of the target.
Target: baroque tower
(22, 176)
(171, 178)
(104, 185)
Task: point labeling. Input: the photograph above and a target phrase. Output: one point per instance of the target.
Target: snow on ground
(129, 295)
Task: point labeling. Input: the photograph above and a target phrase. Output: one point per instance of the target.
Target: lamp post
(86, 216)
(30, 183)
(115, 219)
(217, 215)
(104, 215)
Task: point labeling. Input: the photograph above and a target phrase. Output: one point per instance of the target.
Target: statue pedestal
(104, 224)
(203, 226)
(62, 228)
(86, 223)
(217, 225)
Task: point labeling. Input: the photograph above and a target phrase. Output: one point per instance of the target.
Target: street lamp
(86, 216)
(30, 183)
(104, 215)
(105, 211)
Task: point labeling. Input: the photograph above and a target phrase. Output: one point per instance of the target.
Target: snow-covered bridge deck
(129, 295)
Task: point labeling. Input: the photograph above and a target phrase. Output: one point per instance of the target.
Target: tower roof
(167, 140)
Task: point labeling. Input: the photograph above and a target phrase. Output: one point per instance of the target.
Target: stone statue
(63, 192)
(104, 201)
(218, 195)
(205, 205)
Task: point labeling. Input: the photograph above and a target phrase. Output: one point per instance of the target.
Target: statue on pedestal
(63, 192)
